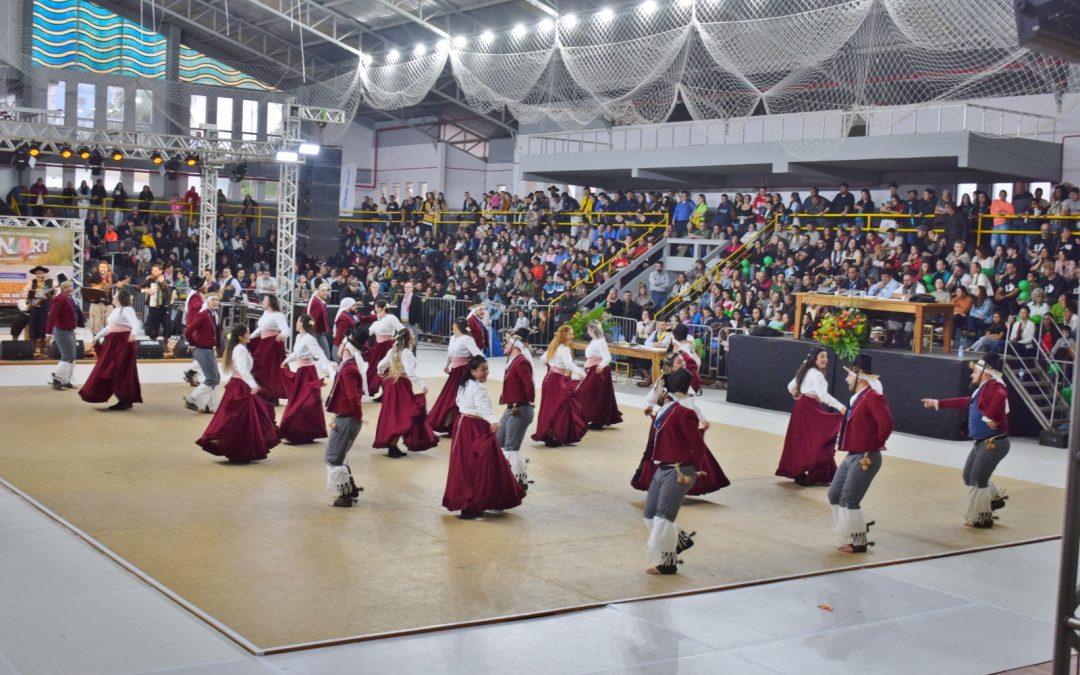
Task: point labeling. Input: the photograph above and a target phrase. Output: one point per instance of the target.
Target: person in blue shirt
(884, 288)
(684, 208)
(724, 211)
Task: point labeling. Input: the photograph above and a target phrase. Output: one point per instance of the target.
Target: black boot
(343, 502)
(395, 452)
(121, 405)
(551, 443)
(190, 377)
(469, 514)
(998, 504)
(686, 541)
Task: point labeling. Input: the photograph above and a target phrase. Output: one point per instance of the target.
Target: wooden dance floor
(258, 549)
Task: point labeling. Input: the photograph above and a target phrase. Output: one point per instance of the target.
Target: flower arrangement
(845, 332)
(580, 322)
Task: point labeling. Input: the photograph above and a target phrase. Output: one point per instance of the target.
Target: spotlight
(606, 14)
(156, 159)
(460, 42)
(66, 152)
(171, 167)
(486, 36)
(648, 7)
(192, 159)
(240, 171)
(35, 149)
(519, 31)
(309, 148)
(569, 21)
(393, 55)
(96, 158)
(545, 25)
(116, 155)
(442, 45)
(21, 158)
(287, 156)
(84, 152)
(420, 50)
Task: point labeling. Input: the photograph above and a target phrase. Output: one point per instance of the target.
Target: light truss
(78, 245)
(208, 218)
(288, 197)
(402, 9)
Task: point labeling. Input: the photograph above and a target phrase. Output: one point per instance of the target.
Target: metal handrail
(591, 276)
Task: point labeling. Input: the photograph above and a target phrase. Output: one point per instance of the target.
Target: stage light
(569, 21)
(309, 148)
(519, 31)
(192, 159)
(35, 149)
(116, 155)
(420, 50)
(393, 55)
(460, 42)
(287, 156)
(66, 152)
(442, 45)
(648, 7)
(486, 36)
(545, 25)
(171, 168)
(84, 152)
(156, 159)
(240, 171)
(96, 158)
(21, 158)
(606, 14)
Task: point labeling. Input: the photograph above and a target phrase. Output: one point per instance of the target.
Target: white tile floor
(64, 608)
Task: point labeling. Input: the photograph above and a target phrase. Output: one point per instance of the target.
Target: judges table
(920, 310)
(654, 355)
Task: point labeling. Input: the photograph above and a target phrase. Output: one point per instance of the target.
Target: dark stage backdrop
(759, 369)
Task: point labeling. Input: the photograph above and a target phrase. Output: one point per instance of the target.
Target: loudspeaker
(17, 350)
(1049, 26)
(150, 349)
(80, 350)
(1054, 438)
(765, 331)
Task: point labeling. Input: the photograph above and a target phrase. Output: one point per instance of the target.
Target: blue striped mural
(199, 68)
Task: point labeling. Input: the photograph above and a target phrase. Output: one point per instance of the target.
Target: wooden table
(654, 355)
(920, 310)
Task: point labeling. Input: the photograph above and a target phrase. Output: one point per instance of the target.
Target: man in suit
(316, 309)
(204, 336)
(867, 426)
(410, 309)
(64, 316)
(157, 292)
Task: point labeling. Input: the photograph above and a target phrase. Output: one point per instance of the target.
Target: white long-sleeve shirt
(461, 347)
(686, 349)
(1023, 333)
(241, 364)
(272, 321)
(408, 364)
(121, 317)
(597, 348)
(814, 384)
(656, 392)
(306, 347)
(388, 325)
(474, 399)
(564, 360)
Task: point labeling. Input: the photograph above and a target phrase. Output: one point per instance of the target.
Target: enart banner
(22, 248)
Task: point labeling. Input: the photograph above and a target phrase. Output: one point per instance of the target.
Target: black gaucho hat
(863, 366)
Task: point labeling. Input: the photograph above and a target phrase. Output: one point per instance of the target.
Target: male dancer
(344, 400)
(867, 425)
(204, 336)
(988, 426)
(192, 305)
(64, 316)
(477, 326)
(678, 451)
(518, 395)
(38, 295)
(320, 322)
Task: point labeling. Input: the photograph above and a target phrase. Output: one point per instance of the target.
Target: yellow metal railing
(591, 276)
(982, 229)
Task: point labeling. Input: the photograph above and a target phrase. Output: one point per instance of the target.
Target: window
(54, 177)
(194, 180)
(270, 191)
(502, 188)
(423, 189)
(112, 177)
(56, 102)
(275, 120)
(998, 187)
(249, 120)
(198, 112)
(383, 191)
(224, 117)
(1047, 189)
(966, 189)
(82, 173)
(144, 110)
(114, 107)
(396, 189)
(138, 180)
(85, 104)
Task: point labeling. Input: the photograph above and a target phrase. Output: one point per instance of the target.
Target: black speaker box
(150, 349)
(17, 350)
(80, 350)
(1054, 438)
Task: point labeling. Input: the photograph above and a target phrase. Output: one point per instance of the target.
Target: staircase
(1040, 381)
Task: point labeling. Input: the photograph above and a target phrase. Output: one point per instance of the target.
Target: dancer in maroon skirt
(384, 328)
(462, 347)
(242, 428)
(267, 349)
(403, 417)
(810, 442)
(597, 392)
(115, 371)
(561, 420)
(479, 477)
(714, 478)
(303, 420)
(344, 321)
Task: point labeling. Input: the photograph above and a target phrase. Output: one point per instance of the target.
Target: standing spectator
(659, 286)
(1001, 208)
(38, 193)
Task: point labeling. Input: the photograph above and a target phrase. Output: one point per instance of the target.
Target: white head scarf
(346, 303)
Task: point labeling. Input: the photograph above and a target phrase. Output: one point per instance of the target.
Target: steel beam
(396, 8)
(208, 219)
(288, 198)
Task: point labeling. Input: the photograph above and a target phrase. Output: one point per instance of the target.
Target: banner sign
(23, 248)
(347, 203)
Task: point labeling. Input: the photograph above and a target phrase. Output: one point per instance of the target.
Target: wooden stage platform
(257, 549)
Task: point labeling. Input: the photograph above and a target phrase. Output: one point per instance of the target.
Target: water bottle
(961, 355)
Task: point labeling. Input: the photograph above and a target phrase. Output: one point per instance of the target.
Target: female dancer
(597, 392)
(242, 428)
(561, 420)
(403, 416)
(344, 320)
(303, 421)
(680, 344)
(479, 477)
(385, 327)
(115, 371)
(810, 442)
(462, 347)
(714, 478)
(267, 348)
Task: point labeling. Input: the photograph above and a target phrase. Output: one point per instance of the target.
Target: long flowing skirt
(479, 477)
(713, 480)
(403, 414)
(242, 428)
(442, 414)
(267, 355)
(597, 396)
(810, 443)
(695, 373)
(303, 420)
(114, 373)
(375, 353)
(561, 420)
